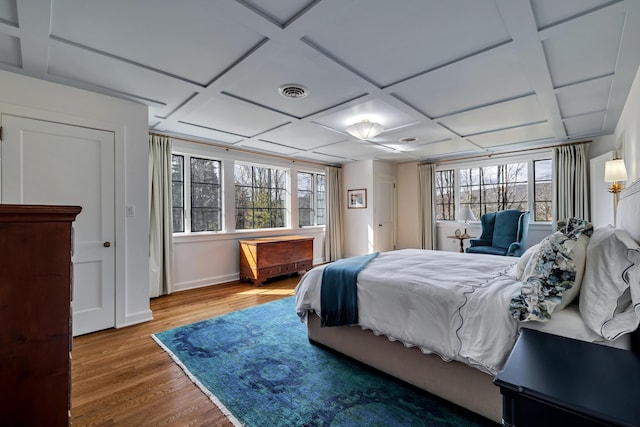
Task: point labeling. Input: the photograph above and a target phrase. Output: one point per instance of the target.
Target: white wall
(358, 223)
(29, 97)
(408, 207)
(203, 259)
(628, 129)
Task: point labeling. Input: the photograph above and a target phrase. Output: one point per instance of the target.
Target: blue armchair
(503, 233)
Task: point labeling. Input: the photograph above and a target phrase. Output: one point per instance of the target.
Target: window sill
(243, 234)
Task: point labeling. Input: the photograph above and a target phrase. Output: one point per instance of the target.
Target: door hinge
(1, 128)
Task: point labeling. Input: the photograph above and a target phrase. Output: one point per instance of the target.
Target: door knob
(106, 244)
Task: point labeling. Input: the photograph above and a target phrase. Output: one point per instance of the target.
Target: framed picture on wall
(357, 199)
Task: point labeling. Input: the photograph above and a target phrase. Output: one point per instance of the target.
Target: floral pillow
(552, 271)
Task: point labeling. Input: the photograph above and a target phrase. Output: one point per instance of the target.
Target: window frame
(529, 159)
(315, 204)
(187, 193)
(287, 193)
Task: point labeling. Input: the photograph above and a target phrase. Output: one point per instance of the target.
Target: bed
(446, 322)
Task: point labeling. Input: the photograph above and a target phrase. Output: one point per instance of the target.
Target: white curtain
(333, 237)
(160, 216)
(427, 199)
(571, 183)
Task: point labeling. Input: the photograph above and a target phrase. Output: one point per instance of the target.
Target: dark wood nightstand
(550, 380)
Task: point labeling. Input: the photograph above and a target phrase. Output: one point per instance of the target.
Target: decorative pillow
(610, 297)
(551, 272)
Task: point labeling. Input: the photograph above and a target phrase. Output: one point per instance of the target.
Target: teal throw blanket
(338, 292)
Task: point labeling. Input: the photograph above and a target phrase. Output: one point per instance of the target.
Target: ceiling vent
(293, 91)
(408, 140)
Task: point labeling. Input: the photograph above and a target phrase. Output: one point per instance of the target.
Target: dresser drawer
(304, 265)
(270, 271)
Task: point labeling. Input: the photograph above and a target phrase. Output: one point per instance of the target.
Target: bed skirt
(453, 381)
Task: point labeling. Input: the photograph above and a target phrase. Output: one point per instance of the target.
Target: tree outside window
(177, 192)
(494, 188)
(260, 197)
(445, 195)
(202, 185)
(311, 199)
(543, 190)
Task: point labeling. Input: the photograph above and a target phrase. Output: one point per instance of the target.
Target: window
(494, 188)
(445, 195)
(311, 199)
(321, 198)
(206, 206)
(177, 192)
(260, 197)
(203, 185)
(524, 185)
(542, 190)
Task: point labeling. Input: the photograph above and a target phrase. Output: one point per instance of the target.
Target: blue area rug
(258, 366)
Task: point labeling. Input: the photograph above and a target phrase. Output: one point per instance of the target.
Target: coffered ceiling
(462, 76)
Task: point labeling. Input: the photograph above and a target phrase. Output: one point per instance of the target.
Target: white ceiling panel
(550, 12)
(123, 78)
(303, 137)
(374, 110)
(230, 115)
(186, 129)
(320, 157)
(496, 117)
(261, 144)
(280, 11)
(424, 132)
(374, 37)
(441, 148)
(584, 54)
(484, 79)
(9, 12)
(503, 74)
(539, 131)
(353, 150)
(10, 50)
(328, 84)
(190, 41)
(584, 98)
(587, 125)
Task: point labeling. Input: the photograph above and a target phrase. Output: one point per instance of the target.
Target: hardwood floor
(122, 377)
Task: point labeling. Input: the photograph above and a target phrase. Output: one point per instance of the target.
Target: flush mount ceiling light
(408, 140)
(293, 91)
(365, 129)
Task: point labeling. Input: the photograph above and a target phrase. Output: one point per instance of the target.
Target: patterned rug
(259, 368)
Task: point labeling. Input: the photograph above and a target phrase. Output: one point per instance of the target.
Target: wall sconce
(614, 171)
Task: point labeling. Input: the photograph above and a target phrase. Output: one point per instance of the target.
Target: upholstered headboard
(628, 218)
(628, 214)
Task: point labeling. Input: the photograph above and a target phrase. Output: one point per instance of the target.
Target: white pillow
(518, 270)
(610, 296)
(578, 253)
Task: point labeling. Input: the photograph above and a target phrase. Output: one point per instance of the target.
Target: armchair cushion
(503, 233)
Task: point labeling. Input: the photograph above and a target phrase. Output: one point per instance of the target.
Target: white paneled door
(54, 163)
(385, 213)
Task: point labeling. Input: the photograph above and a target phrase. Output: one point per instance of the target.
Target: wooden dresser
(35, 314)
(267, 257)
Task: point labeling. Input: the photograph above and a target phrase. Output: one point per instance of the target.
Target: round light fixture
(408, 140)
(365, 129)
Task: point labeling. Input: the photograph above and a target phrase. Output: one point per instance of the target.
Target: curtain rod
(242, 150)
(489, 155)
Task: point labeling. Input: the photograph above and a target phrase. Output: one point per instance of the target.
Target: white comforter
(453, 304)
